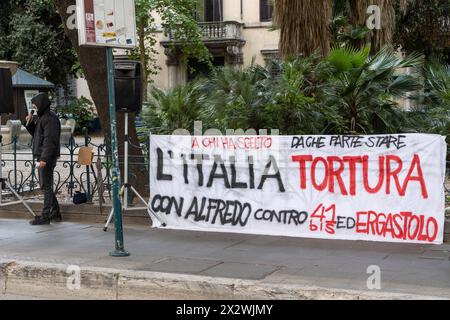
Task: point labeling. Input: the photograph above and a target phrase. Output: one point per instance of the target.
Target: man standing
(45, 128)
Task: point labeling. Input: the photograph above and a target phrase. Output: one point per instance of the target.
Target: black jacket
(45, 129)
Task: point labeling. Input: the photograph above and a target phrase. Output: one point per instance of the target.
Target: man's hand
(28, 118)
(42, 164)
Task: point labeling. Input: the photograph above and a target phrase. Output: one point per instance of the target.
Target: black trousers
(46, 183)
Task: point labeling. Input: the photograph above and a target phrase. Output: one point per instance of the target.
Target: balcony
(212, 31)
(222, 38)
(217, 31)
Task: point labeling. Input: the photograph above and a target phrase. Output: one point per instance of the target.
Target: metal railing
(19, 167)
(221, 30)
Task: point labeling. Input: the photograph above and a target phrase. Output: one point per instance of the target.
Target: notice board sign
(376, 188)
(107, 23)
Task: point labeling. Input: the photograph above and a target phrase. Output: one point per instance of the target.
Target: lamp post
(120, 250)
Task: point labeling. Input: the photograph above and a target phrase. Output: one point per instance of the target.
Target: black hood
(42, 103)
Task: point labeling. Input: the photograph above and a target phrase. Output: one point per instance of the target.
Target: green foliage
(296, 106)
(417, 26)
(251, 98)
(348, 92)
(437, 75)
(365, 88)
(432, 110)
(347, 58)
(343, 33)
(178, 22)
(31, 33)
(237, 97)
(146, 29)
(177, 108)
(424, 28)
(81, 110)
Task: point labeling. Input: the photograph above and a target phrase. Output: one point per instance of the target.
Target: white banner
(376, 188)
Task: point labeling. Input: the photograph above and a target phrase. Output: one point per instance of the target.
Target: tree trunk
(377, 38)
(93, 63)
(144, 60)
(353, 117)
(304, 26)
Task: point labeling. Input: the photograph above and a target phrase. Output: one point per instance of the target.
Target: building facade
(236, 32)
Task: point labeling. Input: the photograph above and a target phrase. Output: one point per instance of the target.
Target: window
(265, 10)
(209, 10)
(213, 10)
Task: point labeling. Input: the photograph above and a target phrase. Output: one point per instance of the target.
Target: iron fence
(19, 167)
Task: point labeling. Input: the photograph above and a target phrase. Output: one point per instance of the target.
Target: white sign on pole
(107, 23)
(377, 188)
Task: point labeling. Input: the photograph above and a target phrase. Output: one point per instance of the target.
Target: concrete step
(46, 261)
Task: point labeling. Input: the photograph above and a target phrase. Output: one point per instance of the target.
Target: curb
(37, 278)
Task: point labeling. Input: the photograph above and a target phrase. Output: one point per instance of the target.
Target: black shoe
(56, 217)
(40, 220)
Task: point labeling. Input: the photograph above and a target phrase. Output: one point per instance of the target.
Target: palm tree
(366, 87)
(423, 26)
(432, 111)
(176, 108)
(304, 26)
(296, 105)
(358, 17)
(437, 75)
(236, 98)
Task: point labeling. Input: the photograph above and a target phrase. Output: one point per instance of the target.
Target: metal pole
(88, 173)
(120, 250)
(15, 159)
(1, 169)
(149, 162)
(125, 194)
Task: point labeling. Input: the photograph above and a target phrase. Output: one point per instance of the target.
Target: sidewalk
(197, 265)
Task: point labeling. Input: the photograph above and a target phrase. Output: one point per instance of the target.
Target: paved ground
(405, 268)
(18, 297)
